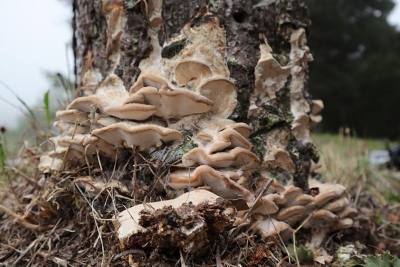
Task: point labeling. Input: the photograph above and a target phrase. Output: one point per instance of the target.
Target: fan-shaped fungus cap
(278, 157)
(205, 175)
(290, 195)
(70, 129)
(337, 205)
(111, 90)
(291, 214)
(73, 116)
(148, 80)
(321, 219)
(230, 139)
(88, 103)
(216, 141)
(48, 163)
(87, 144)
(131, 135)
(128, 220)
(270, 76)
(317, 106)
(236, 157)
(134, 111)
(347, 212)
(328, 192)
(314, 120)
(241, 127)
(300, 127)
(266, 205)
(188, 70)
(171, 103)
(223, 93)
(270, 227)
(91, 80)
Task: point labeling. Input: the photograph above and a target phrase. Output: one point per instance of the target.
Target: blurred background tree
(356, 71)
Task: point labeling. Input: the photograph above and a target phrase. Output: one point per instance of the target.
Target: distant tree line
(356, 71)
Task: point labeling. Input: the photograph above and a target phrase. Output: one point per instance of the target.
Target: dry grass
(375, 190)
(344, 160)
(34, 232)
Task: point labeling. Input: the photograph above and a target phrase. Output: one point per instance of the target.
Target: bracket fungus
(182, 105)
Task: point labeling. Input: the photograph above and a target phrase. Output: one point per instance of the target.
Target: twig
(294, 237)
(264, 188)
(26, 251)
(22, 221)
(218, 258)
(282, 261)
(42, 245)
(182, 259)
(28, 179)
(126, 252)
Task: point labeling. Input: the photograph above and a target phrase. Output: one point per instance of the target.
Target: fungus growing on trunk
(176, 120)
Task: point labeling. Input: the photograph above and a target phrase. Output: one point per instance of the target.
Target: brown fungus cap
(328, 192)
(111, 90)
(136, 135)
(266, 205)
(149, 80)
(291, 214)
(204, 175)
(88, 104)
(317, 106)
(171, 103)
(189, 70)
(270, 227)
(87, 144)
(223, 93)
(238, 156)
(73, 116)
(314, 120)
(70, 129)
(336, 205)
(134, 111)
(321, 219)
(217, 141)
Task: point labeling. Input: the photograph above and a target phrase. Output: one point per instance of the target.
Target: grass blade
(47, 108)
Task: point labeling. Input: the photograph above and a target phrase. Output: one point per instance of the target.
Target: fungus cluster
(184, 99)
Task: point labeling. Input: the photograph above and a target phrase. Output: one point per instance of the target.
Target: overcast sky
(34, 38)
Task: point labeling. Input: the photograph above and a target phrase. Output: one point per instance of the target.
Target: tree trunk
(189, 128)
(113, 37)
(237, 71)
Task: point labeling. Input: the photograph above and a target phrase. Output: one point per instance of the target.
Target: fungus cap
(219, 184)
(223, 93)
(73, 116)
(270, 227)
(149, 80)
(317, 106)
(171, 103)
(236, 157)
(188, 70)
(140, 135)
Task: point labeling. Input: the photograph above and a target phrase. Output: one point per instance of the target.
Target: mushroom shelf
(182, 105)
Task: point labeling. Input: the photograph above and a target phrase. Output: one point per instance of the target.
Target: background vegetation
(356, 68)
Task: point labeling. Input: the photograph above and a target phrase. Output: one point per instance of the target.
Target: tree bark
(247, 25)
